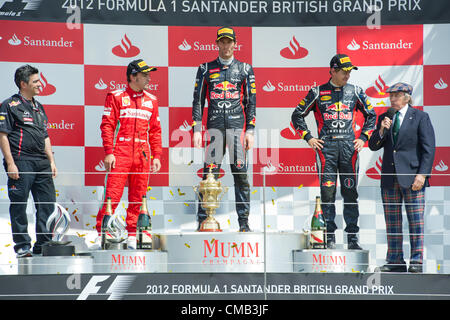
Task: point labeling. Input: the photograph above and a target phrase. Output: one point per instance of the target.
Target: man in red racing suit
(130, 128)
(335, 104)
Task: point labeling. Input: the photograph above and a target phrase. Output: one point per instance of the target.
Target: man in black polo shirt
(28, 160)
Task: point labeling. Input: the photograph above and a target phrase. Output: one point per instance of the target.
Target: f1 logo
(115, 291)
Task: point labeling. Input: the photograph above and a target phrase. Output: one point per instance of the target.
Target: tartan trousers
(415, 207)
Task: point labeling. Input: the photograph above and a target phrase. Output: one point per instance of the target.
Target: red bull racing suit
(335, 113)
(130, 129)
(231, 94)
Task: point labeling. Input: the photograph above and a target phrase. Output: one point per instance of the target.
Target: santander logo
(269, 87)
(125, 49)
(378, 90)
(14, 41)
(353, 45)
(290, 133)
(100, 85)
(269, 168)
(185, 46)
(47, 89)
(294, 50)
(375, 172)
(440, 85)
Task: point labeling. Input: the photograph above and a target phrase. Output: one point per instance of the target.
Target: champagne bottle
(106, 234)
(318, 228)
(144, 227)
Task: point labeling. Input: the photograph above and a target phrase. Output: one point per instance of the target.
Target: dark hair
(23, 74)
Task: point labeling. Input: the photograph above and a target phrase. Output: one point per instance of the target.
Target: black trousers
(215, 151)
(34, 176)
(339, 157)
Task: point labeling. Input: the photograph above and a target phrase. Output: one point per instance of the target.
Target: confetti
(76, 218)
(172, 192)
(254, 191)
(149, 188)
(273, 202)
(95, 191)
(93, 216)
(81, 235)
(153, 198)
(186, 245)
(234, 245)
(212, 240)
(154, 213)
(273, 188)
(300, 186)
(229, 222)
(180, 193)
(186, 204)
(170, 220)
(88, 224)
(191, 162)
(7, 245)
(439, 267)
(74, 211)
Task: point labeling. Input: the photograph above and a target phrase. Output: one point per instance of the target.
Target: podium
(330, 260)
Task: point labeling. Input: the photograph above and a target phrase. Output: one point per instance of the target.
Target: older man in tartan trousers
(409, 146)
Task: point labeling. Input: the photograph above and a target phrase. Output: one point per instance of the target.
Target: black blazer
(412, 154)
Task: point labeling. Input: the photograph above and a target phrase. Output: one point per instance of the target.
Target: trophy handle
(196, 192)
(225, 190)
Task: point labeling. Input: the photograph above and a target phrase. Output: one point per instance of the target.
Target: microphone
(390, 113)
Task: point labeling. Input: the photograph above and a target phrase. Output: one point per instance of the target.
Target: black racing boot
(243, 225)
(352, 242)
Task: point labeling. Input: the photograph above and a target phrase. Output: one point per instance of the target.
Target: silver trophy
(117, 233)
(58, 224)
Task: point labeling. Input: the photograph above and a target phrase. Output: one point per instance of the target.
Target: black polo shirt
(26, 125)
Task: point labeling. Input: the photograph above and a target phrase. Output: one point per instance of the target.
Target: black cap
(226, 32)
(139, 65)
(342, 61)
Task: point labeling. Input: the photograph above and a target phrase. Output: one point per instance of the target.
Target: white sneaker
(131, 243)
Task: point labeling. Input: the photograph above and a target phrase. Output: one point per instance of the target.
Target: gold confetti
(186, 245)
(94, 191)
(149, 188)
(76, 218)
(234, 245)
(74, 211)
(229, 222)
(186, 204)
(88, 224)
(254, 191)
(93, 216)
(439, 267)
(212, 240)
(7, 245)
(172, 192)
(154, 213)
(323, 270)
(180, 193)
(170, 220)
(191, 162)
(273, 188)
(273, 202)
(300, 186)
(81, 235)
(153, 198)
(353, 270)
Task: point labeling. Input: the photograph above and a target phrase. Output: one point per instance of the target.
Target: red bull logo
(225, 86)
(329, 184)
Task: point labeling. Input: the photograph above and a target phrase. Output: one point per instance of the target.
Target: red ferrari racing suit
(130, 128)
